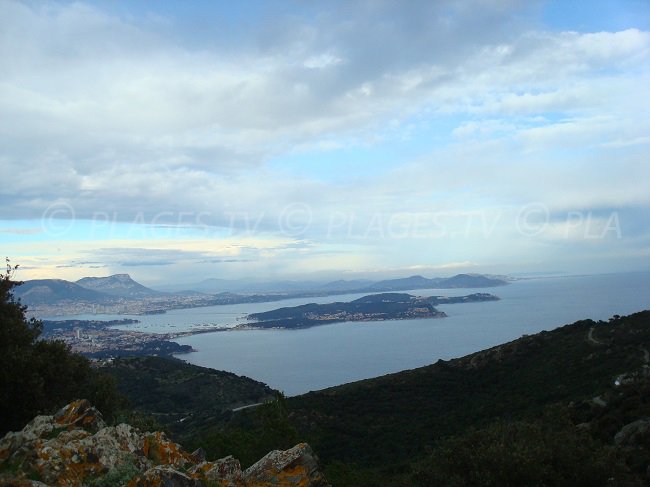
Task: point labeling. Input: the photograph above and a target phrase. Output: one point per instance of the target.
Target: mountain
(419, 282)
(344, 286)
(120, 285)
(470, 281)
(119, 293)
(50, 291)
(404, 283)
(96, 290)
(341, 286)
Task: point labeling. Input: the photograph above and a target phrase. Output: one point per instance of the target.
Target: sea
(298, 361)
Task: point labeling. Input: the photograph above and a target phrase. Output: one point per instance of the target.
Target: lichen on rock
(76, 448)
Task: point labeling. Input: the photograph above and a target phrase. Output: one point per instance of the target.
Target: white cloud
(115, 114)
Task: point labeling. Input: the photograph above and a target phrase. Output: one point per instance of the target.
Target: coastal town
(103, 339)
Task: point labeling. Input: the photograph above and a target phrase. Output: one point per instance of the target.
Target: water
(297, 361)
(209, 316)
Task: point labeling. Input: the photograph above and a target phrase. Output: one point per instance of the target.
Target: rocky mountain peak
(117, 285)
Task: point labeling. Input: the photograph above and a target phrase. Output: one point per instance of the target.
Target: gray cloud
(125, 118)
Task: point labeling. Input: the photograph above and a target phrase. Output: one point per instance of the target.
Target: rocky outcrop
(76, 448)
(297, 466)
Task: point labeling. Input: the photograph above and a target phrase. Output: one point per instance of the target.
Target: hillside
(180, 396)
(412, 410)
(596, 373)
(48, 291)
(99, 290)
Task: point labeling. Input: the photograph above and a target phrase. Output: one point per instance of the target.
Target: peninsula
(375, 307)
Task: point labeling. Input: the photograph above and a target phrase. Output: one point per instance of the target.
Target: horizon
(276, 140)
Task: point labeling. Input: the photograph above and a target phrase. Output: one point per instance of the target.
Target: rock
(164, 476)
(74, 447)
(11, 482)
(633, 433)
(80, 414)
(295, 467)
(226, 471)
(199, 455)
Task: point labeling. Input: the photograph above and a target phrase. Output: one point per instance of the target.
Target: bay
(297, 361)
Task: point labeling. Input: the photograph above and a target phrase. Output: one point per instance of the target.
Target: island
(375, 307)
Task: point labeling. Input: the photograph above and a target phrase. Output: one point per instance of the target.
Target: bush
(546, 452)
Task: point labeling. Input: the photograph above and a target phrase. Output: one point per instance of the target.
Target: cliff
(75, 447)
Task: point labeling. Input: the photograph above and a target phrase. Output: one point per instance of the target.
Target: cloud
(21, 231)
(125, 117)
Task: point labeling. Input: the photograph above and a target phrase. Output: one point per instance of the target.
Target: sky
(178, 141)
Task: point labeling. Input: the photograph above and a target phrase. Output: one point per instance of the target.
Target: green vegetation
(412, 411)
(375, 307)
(251, 434)
(476, 420)
(119, 475)
(183, 397)
(38, 377)
(569, 407)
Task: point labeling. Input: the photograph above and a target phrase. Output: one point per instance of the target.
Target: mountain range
(341, 286)
(98, 290)
(120, 287)
(47, 291)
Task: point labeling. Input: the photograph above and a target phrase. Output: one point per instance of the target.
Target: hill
(374, 307)
(412, 410)
(50, 291)
(118, 285)
(97, 290)
(180, 396)
(419, 282)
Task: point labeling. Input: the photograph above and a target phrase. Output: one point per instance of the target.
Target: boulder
(226, 472)
(295, 467)
(75, 447)
(80, 414)
(164, 476)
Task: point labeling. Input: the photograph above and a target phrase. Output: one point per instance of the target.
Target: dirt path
(248, 406)
(590, 337)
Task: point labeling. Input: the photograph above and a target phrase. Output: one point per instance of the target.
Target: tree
(549, 451)
(37, 376)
